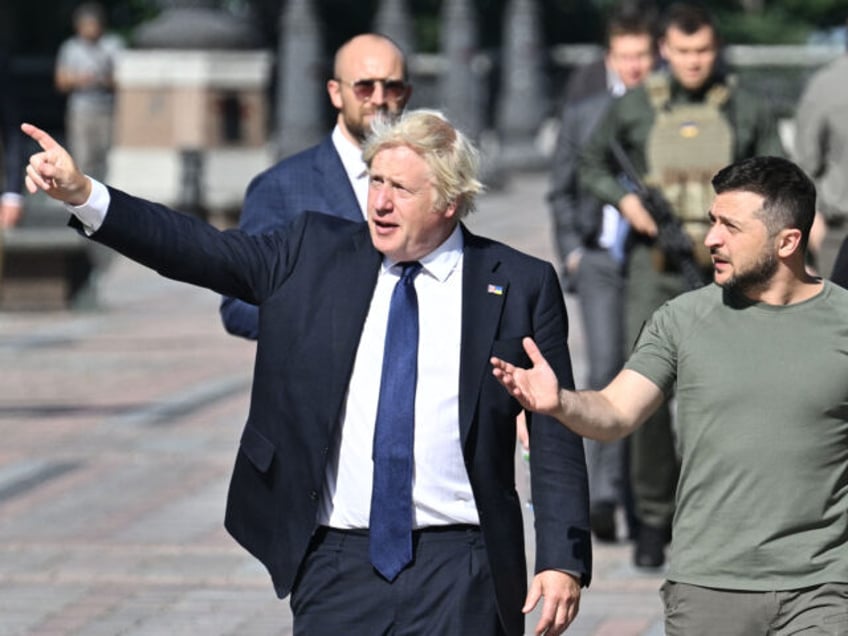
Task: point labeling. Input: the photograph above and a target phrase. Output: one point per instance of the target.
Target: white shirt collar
(615, 86)
(354, 166)
(350, 153)
(442, 261)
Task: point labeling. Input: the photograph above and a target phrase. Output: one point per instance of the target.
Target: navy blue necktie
(390, 526)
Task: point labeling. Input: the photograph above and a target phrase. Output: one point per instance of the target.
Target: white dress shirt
(441, 491)
(354, 166)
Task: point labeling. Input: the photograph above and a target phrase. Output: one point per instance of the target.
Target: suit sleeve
(564, 184)
(187, 249)
(263, 211)
(557, 464)
(577, 216)
(596, 171)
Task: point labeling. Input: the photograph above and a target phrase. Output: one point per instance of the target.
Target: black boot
(602, 520)
(650, 547)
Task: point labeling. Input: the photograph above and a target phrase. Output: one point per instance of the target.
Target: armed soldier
(585, 231)
(678, 129)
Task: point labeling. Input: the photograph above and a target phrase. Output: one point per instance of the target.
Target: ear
(788, 242)
(334, 90)
(450, 210)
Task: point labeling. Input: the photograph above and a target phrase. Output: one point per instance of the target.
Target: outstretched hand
(53, 170)
(536, 388)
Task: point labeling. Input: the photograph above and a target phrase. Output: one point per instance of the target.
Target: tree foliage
(32, 29)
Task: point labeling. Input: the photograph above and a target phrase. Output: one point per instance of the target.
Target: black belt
(325, 531)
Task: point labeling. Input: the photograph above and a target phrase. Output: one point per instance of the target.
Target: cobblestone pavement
(119, 427)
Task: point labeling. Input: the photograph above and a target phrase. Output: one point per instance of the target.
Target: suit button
(313, 495)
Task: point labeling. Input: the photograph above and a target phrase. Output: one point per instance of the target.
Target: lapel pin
(497, 290)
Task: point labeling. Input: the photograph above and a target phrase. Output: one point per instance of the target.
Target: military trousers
(600, 287)
(691, 610)
(654, 463)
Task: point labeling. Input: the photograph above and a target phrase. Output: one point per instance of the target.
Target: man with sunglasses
(369, 80)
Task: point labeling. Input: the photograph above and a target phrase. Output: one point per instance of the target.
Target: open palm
(536, 388)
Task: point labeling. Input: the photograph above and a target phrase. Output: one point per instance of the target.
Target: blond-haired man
(375, 476)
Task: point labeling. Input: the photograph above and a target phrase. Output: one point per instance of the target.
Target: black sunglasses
(363, 89)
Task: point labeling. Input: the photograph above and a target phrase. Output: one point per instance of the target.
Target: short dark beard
(361, 133)
(756, 278)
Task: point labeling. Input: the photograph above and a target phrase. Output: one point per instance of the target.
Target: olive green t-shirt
(762, 399)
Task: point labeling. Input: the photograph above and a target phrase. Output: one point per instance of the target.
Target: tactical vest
(686, 146)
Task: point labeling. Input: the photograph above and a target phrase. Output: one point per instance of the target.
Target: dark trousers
(447, 589)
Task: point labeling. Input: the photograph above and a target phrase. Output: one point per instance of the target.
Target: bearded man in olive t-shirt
(760, 364)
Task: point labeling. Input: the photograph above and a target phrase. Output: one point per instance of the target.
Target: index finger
(532, 350)
(44, 140)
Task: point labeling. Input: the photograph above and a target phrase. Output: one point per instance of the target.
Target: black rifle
(672, 239)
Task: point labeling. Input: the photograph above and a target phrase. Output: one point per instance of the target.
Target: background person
(821, 142)
(684, 123)
(369, 80)
(586, 232)
(84, 70)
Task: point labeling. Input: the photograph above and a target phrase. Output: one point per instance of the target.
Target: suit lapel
(353, 276)
(484, 290)
(338, 191)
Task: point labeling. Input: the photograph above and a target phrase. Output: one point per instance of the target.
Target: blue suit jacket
(313, 180)
(313, 284)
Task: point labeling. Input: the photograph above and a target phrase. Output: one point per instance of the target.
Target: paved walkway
(118, 429)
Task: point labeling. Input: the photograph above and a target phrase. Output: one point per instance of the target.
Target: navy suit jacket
(586, 81)
(313, 180)
(577, 214)
(313, 284)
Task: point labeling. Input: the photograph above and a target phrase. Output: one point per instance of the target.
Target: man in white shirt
(369, 80)
(85, 72)
(381, 495)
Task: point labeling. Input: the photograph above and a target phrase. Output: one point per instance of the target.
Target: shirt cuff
(92, 213)
(12, 198)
